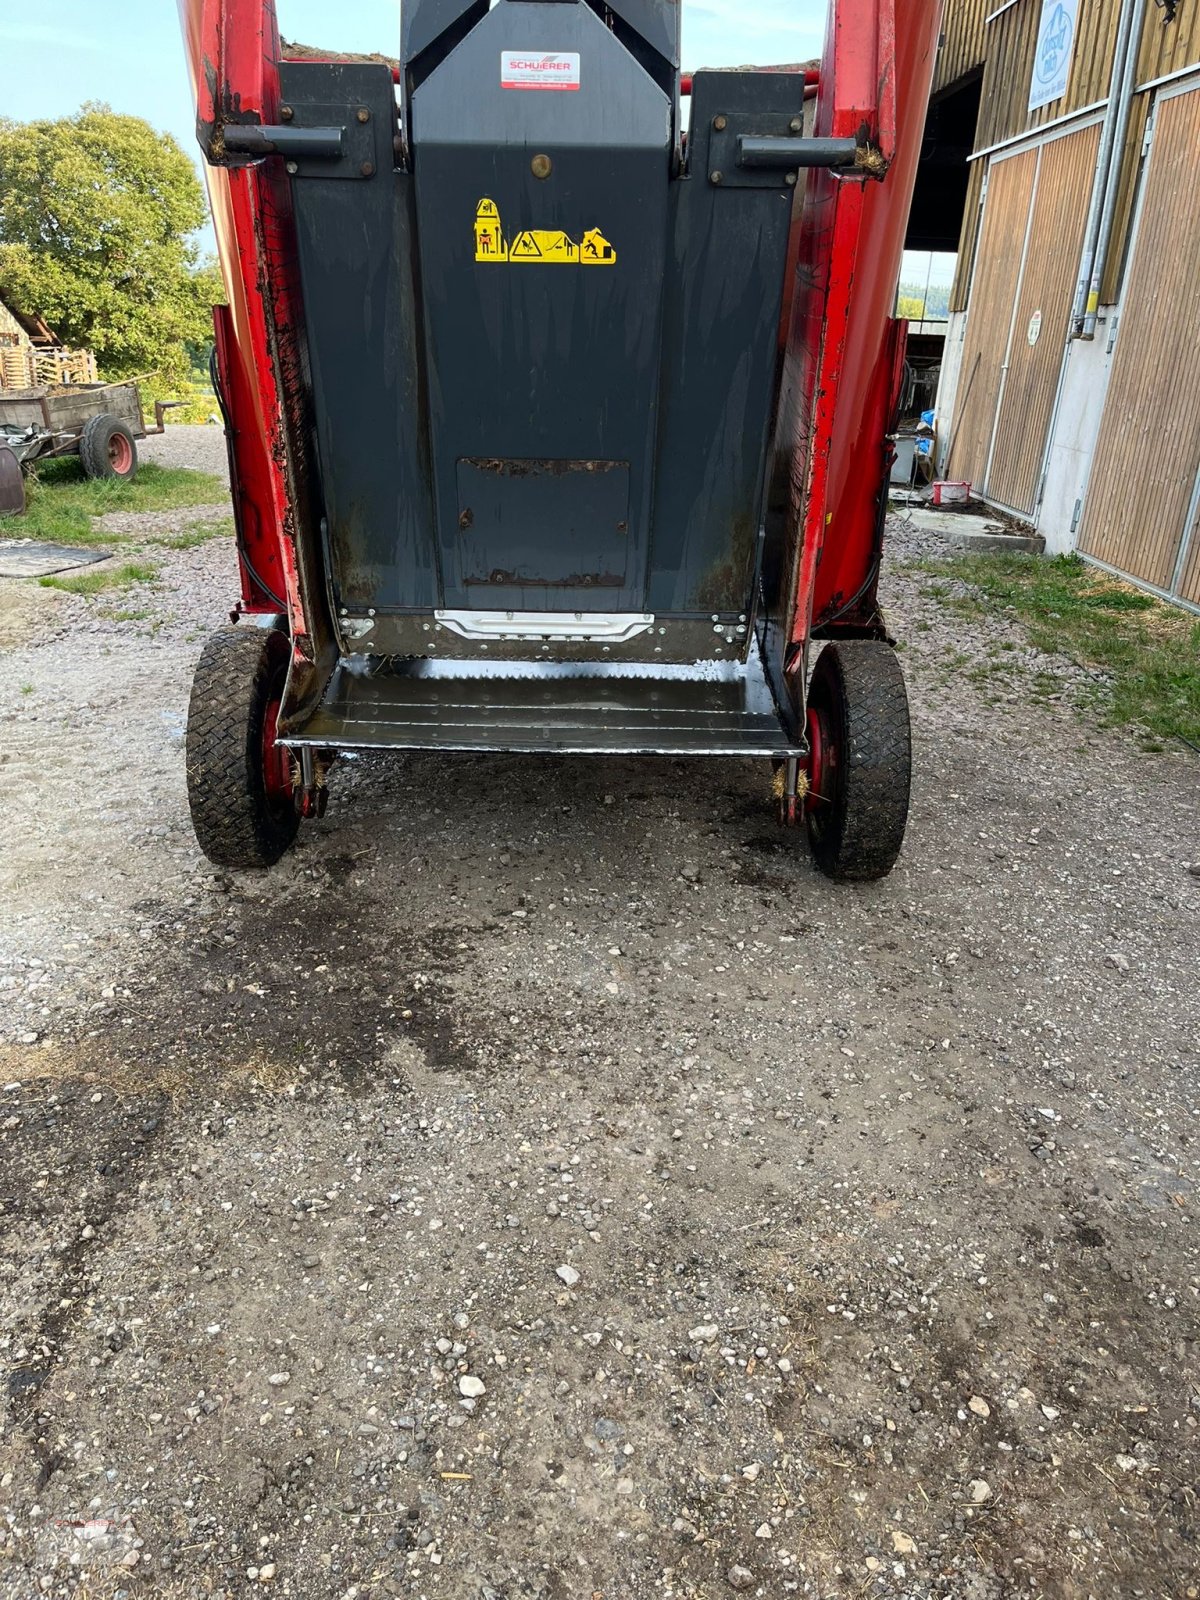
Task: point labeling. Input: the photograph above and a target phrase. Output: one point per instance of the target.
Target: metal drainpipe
(1103, 164)
(1128, 80)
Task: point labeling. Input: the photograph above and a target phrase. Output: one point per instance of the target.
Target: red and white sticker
(536, 69)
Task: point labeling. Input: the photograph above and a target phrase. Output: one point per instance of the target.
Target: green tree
(98, 214)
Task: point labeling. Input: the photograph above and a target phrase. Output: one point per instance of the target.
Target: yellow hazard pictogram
(545, 246)
(595, 251)
(489, 239)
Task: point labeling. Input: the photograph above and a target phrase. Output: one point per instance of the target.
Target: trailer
(557, 384)
(98, 422)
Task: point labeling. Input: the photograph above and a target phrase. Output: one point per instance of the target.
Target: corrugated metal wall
(1010, 189)
(1047, 290)
(1148, 448)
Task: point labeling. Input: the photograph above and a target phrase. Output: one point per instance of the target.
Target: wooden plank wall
(964, 34)
(1189, 588)
(1165, 47)
(1168, 46)
(1008, 45)
(1011, 43)
(1149, 441)
(960, 289)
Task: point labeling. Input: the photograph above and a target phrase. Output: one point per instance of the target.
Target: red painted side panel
(232, 48)
(260, 547)
(843, 349)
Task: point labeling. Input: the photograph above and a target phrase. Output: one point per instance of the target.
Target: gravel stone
(920, 1141)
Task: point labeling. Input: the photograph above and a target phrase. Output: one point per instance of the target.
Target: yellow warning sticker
(547, 246)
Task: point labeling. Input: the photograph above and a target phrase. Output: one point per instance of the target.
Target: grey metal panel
(666, 640)
(658, 22)
(423, 21)
(528, 362)
(529, 358)
(571, 520)
(724, 710)
(356, 261)
(720, 353)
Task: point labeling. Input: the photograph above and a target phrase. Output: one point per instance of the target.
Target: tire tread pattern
(93, 446)
(234, 823)
(863, 679)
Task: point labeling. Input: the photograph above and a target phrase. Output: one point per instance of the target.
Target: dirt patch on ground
(25, 611)
(802, 1240)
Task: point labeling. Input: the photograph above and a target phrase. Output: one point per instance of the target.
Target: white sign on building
(1052, 58)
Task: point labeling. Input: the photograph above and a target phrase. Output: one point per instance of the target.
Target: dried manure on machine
(557, 385)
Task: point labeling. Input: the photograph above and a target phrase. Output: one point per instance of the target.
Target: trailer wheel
(860, 767)
(106, 448)
(239, 780)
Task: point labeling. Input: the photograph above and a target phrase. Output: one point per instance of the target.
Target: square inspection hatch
(31, 558)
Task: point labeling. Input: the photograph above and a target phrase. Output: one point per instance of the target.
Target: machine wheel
(239, 780)
(860, 768)
(106, 448)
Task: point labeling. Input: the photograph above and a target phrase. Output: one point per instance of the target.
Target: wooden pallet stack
(24, 366)
(17, 367)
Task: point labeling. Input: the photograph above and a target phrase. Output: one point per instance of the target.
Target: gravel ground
(544, 1184)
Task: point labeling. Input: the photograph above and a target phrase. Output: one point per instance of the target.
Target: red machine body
(839, 733)
(844, 351)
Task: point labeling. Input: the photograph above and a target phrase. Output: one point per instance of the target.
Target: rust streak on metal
(550, 467)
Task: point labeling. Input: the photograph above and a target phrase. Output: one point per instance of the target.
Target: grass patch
(62, 502)
(87, 583)
(122, 614)
(196, 533)
(1150, 651)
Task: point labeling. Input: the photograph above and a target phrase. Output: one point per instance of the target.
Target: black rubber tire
(240, 671)
(94, 447)
(855, 832)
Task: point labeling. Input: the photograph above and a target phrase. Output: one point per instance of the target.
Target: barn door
(989, 321)
(1140, 509)
(1020, 313)
(1041, 319)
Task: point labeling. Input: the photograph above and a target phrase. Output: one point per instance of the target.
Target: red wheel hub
(120, 454)
(821, 761)
(277, 760)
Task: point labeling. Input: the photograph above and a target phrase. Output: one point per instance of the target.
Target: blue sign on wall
(1052, 58)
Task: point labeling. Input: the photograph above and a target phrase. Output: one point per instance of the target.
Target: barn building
(1066, 136)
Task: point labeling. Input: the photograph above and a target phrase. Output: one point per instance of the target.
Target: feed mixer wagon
(557, 385)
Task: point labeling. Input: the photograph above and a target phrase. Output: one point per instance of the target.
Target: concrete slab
(1000, 544)
(31, 558)
(967, 530)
